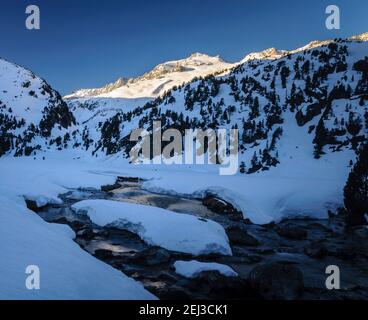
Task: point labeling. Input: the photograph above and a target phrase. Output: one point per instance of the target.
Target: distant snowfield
(310, 188)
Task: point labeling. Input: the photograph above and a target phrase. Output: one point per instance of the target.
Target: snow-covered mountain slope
(305, 105)
(162, 78)
(85, 93)
(167, 75)
(313, 99)
(273, 53)
(32, 114)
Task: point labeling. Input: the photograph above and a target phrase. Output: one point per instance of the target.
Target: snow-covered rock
(191, 269)
(271, 53)
(173, 231)
(360, 37)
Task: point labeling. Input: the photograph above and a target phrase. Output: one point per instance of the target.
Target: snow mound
(170, 230)
(66, 271)
(191, 269)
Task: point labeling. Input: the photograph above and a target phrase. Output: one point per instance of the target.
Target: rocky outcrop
(291, 231)
(220, 206)
(239, 236)
(277, 281)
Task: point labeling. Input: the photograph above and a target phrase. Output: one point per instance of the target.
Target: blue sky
(87, 43)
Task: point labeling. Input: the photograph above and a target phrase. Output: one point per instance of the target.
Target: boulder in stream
(239, 236)
(277, 281)
(292, 232)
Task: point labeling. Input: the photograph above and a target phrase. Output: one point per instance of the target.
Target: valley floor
(70, 273)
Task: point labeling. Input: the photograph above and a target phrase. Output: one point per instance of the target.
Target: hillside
(304, 105)
(288, 107)
(33, 116)
(72, 200)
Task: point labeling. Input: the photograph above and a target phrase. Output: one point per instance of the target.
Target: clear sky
(87, 43)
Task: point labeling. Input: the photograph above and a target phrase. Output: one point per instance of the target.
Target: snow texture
(173, 231)
(191, 269)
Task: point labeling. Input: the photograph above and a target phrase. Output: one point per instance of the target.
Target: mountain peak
(360, 37)
(199, 55)
(161, 78)
(270, 53)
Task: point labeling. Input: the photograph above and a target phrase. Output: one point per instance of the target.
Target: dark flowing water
(153, 266)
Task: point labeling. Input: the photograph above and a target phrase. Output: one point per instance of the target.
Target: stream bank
(286, 260)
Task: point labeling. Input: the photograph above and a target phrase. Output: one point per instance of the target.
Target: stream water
(153, 266)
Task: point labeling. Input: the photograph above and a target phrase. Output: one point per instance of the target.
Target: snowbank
(173, 231)
(191, 269)
(66, 271)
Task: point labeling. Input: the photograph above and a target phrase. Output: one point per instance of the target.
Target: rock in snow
(191, 269)
(173, 231)
(277, 281)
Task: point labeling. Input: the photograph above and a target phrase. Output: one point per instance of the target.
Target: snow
(15, 91)
(173, 231)
(173, 73)
(299, 186)
(66, 271)
(192, 269)
(162, 78)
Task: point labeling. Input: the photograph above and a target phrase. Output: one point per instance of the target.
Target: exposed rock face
(32, 205)
(220, 206)
(240, 236)
(316, 249)
(86, 234)
(155, 256)
(292, 232)
(174, 293)
(277, 281)
(359, 240)
(110, 187)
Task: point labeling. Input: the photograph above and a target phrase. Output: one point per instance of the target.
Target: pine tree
(254, 109)
(320, 139)
(242, 167)
(285, 72)
(356, 190)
